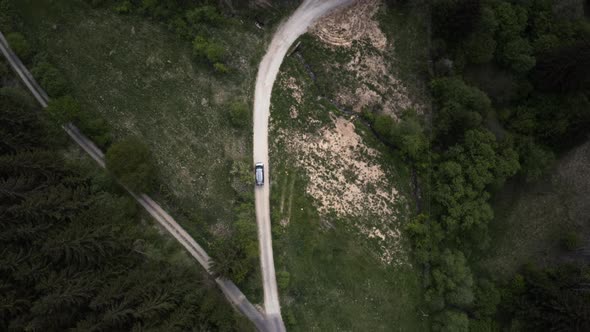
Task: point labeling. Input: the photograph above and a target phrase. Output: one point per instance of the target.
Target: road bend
(297, 24)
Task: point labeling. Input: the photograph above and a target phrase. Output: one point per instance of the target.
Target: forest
(76, 253)
(510, 88)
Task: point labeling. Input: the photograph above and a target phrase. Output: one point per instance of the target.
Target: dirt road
(285, 35)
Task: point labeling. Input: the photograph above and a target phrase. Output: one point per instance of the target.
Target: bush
(290, 318)
(96, 128)
(20, 45)
(123, 8)
(7, 16)
(208, 50)
(50, 79)
(239, 115)
(97, 3)
(130, 161)
(407, 134)
(220, 68)
(481, 44)
(461, 107)
(383, 125)
(451, 321)
(63, 110)
(4, 68)
(206, 15)
(534, 159)
(283, 279)
(517, 54)
(571, 241)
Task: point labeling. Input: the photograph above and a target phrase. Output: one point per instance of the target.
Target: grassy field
(331, 276)
(335, 281)
(532, 220)
(408, 28)
(152, 240)
(142, 79)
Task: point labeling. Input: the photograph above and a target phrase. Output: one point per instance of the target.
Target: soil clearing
(356, 29)
(345, 180)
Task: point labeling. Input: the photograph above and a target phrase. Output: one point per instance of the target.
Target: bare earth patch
(291, 84)
(375, 84)
(345, 179)
(352, 23)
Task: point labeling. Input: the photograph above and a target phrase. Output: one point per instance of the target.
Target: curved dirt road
(285, 35)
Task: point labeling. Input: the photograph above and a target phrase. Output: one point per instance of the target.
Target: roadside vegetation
(130, 161)
(76, 253)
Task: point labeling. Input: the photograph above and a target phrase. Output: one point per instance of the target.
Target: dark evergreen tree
(565, 68)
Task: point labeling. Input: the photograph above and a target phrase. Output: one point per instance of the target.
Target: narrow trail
(284, 37)
(229, 289)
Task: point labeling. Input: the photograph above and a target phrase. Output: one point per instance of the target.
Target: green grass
(336, 281)
(406, 26)
(531, 220)
(142, 79)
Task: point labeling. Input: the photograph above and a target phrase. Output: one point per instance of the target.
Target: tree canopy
(131, 162)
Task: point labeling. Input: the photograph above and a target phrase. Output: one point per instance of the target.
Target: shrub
(130, 161)
(96, 128)
(461, 107)
(283, 279)
(7, 16)
(517, 54)
(208, 50)
(123, 8)
(451, 321)
(571, 241)
(206, 15)
(383, 125)
(220, 68)
(4, 69)
(63, 110)
(535, 159)
(50, 79)
(20, 45)
(239, 115)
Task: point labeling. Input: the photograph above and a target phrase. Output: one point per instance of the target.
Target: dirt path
(229, 289)
(285, 35)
